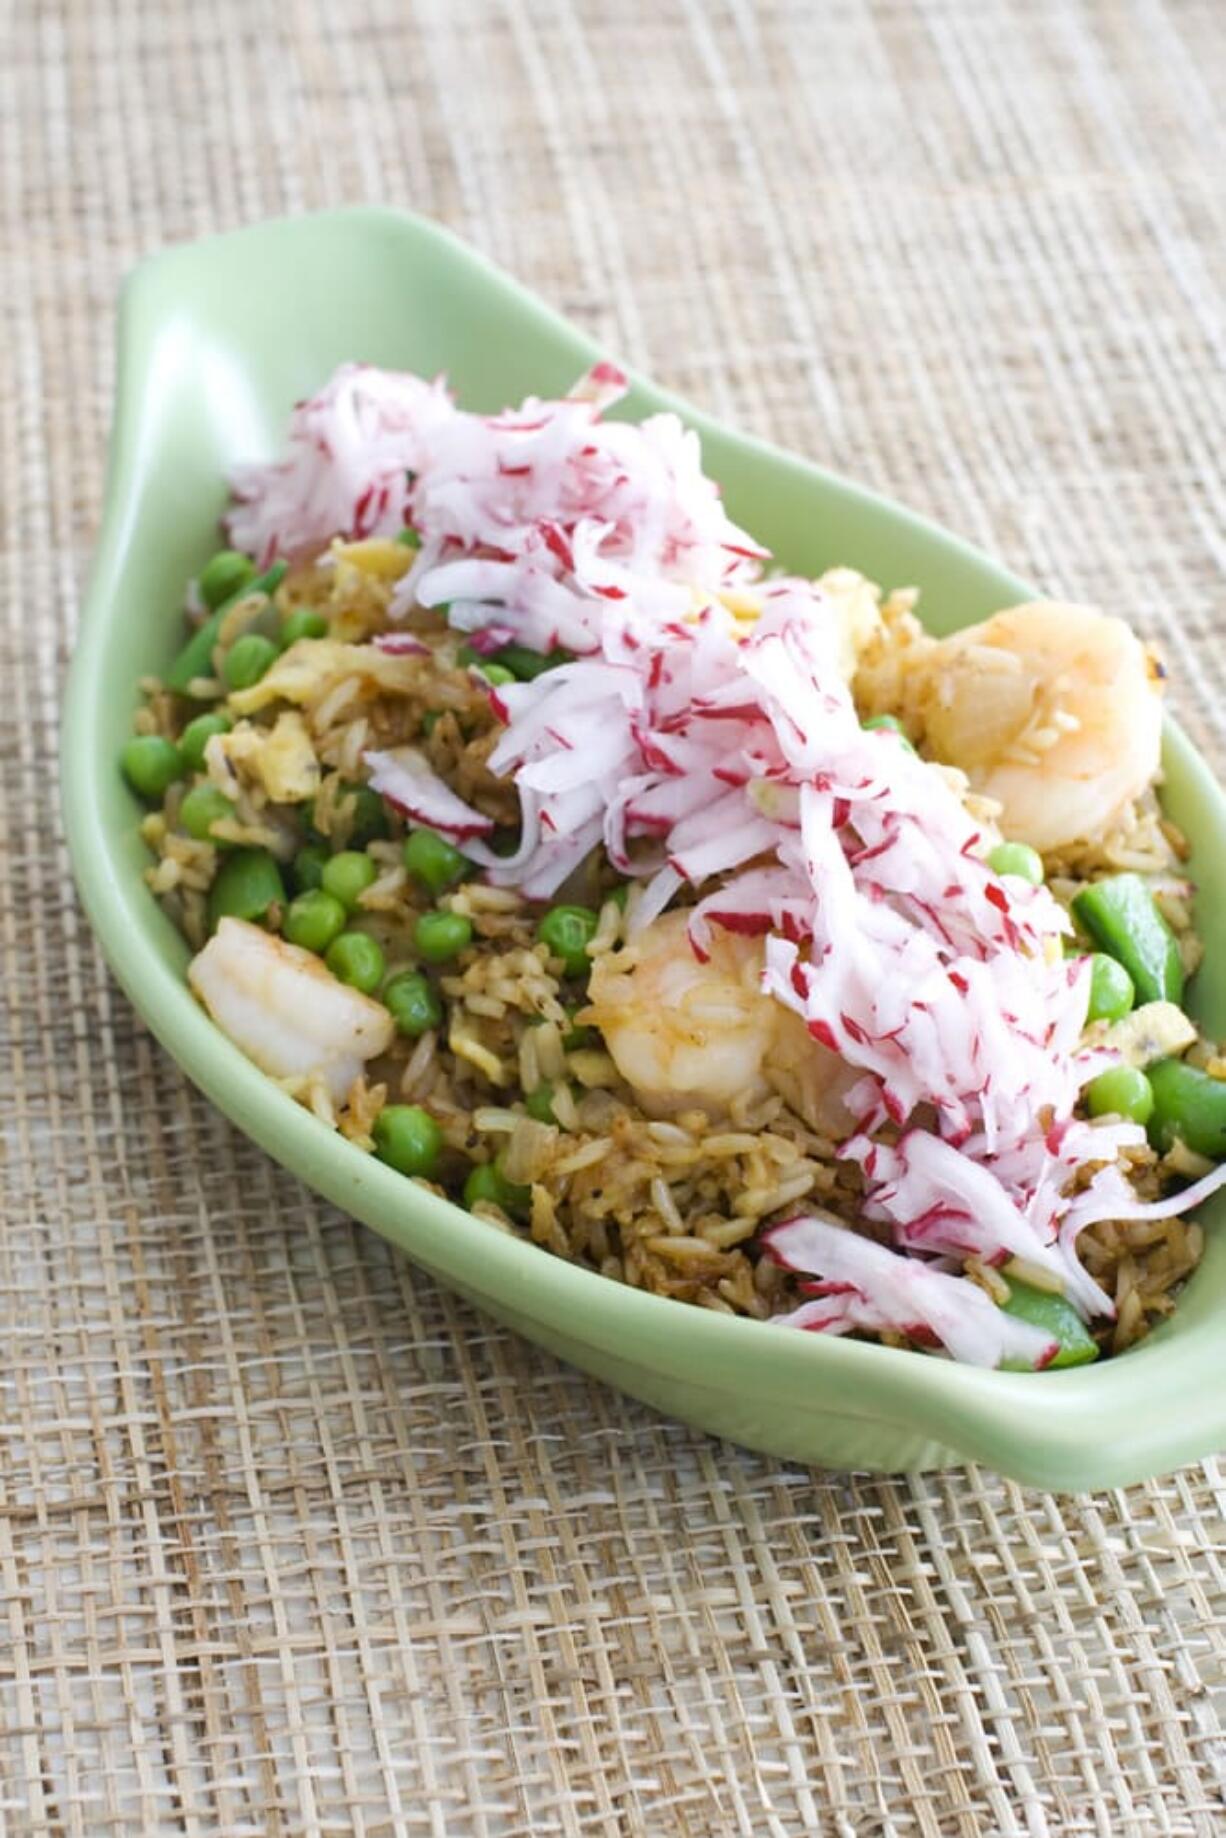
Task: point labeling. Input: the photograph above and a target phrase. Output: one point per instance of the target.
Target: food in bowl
(721, 930)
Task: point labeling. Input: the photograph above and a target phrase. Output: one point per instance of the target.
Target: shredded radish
(545, 512)
(868, 1287)
(351, 449)
(705, 734)
(400, 644)
(407, 780)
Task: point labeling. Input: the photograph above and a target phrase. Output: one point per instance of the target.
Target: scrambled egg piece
(308, 670)
(281, 757)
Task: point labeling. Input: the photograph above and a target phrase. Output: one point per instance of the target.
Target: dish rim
(978, 1414)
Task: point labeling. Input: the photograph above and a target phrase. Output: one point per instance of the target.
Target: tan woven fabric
(291, 1542)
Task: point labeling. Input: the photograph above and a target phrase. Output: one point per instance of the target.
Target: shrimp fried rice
(380, 781)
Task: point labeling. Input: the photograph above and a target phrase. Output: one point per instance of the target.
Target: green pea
(357, 959)
(438, 937)
(347, 876)
(482, 1184)
(1112, 991)
(204, 806)
(1042, 1308)
(303, 622)
(1017, 858)
(518, 1199)
(434, 861)
(313, 920)
(1123, 1091)
(567, 931)
(1189, 1105)
(526, 664)
(497, 674)
(224, 575)
(197, 735)
(309, 864)
(413, 1005)
(539, 1104)
(151, 764)
(247, 660)
(408, 1139)
(408, 537)
(488, 1182)
(369, 817)
(246, 885)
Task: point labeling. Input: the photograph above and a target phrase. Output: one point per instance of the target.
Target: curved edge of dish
(1169, 1394)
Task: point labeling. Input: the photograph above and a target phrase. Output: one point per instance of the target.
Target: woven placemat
(290, 1541)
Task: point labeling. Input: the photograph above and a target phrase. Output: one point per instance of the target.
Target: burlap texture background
(291, 1542)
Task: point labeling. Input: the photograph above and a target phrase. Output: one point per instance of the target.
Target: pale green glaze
(216, 341)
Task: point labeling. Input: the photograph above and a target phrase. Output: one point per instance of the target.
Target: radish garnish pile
(704, 734)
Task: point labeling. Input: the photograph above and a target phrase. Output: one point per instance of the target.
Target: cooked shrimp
(684, 1033)
(1053, 710)
(285, 1010)
(809, 1078)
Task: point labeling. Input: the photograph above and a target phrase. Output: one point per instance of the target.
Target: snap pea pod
(1122, 918)
(196, 657)
(1043, 1308)
(525, 664)
(247, 884)
(1189, 1105)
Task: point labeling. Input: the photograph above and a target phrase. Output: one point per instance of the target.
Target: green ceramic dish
(216, 340)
